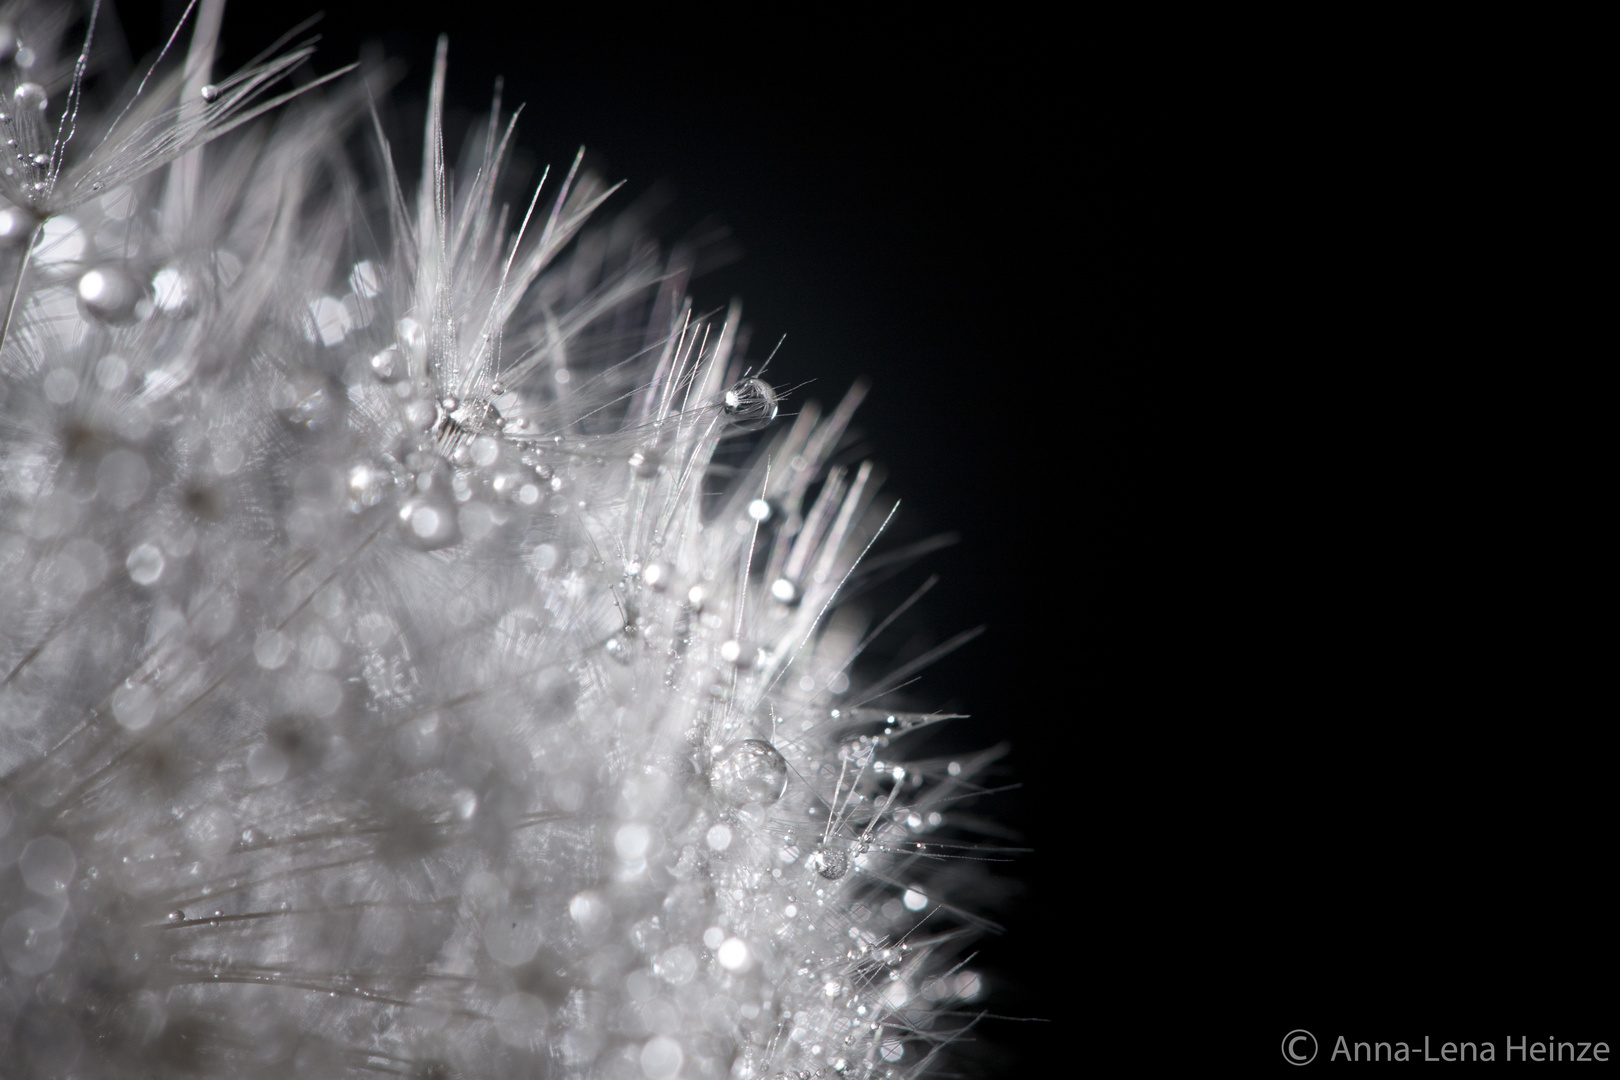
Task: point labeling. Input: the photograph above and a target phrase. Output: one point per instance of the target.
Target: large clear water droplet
(109, 294)
(369, 483)
(30, 95)
(427, 520)
(389, 364)
(830, 863)
(15, 226)
(750, 403)
(645, 461)
(750, 772)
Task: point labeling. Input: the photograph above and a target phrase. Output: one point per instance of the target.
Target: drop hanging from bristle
(750, 404)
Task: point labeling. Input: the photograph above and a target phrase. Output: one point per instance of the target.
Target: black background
(898, 197)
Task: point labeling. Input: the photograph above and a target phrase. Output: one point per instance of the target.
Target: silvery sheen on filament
(384, 686)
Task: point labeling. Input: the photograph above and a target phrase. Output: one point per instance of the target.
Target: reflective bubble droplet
(210, 92)
(30, 95)
(750, 403)
(428, 523)
(177, 915)
(644, 463)
(368, 484)
(830, 864)
(145, 564)
(618, 648)
(389, 364)
(749, 772)
(15, 226)
(109, 294)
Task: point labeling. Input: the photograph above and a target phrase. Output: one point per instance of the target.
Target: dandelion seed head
(396, 669)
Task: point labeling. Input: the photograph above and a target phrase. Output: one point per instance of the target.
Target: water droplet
(784, 590)
(145, 564)
(367, 486)
(177, 915)
(750, 404)
(210, 92)
(108, 293)
(618, 648)
(389, 364)
(830, 863)
(749, 772)
(733, 955)
(644, 462)
(428, 523)
(30, 95)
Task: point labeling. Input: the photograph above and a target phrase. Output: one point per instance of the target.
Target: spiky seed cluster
(380, 690)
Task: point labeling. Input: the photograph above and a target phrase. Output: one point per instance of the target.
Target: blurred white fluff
(381, 692)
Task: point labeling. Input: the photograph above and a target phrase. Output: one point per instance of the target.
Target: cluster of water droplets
(386, 688)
